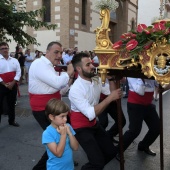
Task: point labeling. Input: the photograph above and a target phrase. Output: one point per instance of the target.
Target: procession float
(142, 53)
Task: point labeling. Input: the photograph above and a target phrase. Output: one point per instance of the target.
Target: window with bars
(84, 8)
(47, 12)
(132, 24)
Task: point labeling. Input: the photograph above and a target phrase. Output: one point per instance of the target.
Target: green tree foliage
(12, 23)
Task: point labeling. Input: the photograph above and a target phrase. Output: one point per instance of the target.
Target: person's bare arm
(166, 88)
(73, 141)
(70, 70)
(58, 149)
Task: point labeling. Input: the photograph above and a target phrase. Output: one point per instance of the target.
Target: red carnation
(117, 45)
(141, 27)
(131, 44)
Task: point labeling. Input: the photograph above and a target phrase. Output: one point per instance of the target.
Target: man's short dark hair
(52, 43)
(77, 59)
(4, 44)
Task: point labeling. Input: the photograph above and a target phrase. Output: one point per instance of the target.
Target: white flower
(111, 5)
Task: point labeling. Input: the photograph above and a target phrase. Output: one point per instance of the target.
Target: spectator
(36, 53)
(75, 51)
(17, 48)
(68, 56)
(21, 58)
(28, 60)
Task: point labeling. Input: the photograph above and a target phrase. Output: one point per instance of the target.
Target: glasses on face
(4, 48)
(58, 52)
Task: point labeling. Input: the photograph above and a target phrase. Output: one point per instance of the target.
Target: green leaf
(12, 23)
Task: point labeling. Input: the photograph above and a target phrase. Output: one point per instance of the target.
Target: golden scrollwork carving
(102, 38)
(155, 62)
(158, 64)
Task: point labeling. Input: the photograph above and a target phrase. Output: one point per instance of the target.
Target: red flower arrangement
(134, 43)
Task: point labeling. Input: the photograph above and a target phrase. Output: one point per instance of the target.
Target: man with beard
(85, 107)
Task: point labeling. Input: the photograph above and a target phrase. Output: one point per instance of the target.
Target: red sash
(78, 120)
(135, 98)
(8, 77)
(39, 101)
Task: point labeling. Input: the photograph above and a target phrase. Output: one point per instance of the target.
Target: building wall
(70, 31)
(132, 15)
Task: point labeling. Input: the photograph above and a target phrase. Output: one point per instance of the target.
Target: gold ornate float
(153, 62)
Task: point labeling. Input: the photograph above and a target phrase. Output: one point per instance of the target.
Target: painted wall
(83, 38)
(86, 41)
(132, 14)
(44, 37)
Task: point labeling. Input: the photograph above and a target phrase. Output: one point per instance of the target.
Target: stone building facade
(77, 20)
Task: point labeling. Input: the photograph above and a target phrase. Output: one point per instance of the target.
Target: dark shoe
(115, 141)
(147, 151)
(14, 124)
(118, 158)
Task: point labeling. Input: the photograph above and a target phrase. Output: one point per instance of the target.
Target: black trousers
(137, 114)
(97, 145)
(43, 122)
(112, 111)
(11, 99)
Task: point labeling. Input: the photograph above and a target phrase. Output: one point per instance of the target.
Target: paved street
(21, 147)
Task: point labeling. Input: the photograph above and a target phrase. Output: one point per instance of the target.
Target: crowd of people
(86, 121)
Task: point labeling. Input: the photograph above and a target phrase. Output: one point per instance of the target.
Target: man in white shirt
(140, 108)
(44, 84)
(10, 74)
(84, 97)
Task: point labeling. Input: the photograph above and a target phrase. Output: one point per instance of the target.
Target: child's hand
(62, 129)
(68, 130)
